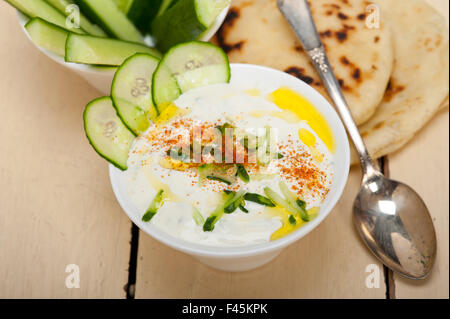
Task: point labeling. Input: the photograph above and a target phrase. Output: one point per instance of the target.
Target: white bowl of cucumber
(99, 71)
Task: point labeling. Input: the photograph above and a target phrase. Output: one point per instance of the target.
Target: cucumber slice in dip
(156, 204)
(188, 66)
(108, 16)
(85, 24)
(106, 132)
(41, 9)
(131, 92)
(47, 35)
(185, 20)
(101, 51)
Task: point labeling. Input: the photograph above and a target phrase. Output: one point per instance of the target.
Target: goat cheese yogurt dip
(194, 190)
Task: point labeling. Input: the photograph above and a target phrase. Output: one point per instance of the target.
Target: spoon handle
(299, 16)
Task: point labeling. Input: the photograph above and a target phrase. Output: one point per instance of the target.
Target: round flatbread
(419, 86)
(362, 57)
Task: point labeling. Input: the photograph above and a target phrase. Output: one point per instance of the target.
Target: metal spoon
(390, 216)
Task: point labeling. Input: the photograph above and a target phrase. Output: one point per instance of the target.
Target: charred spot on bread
(344, 60)
(392, 90)
(361, 16)
(379, 125)
(357, 74)
(298, 48)
(231, 18)
(300, 74)
(341, 35)
(326, 34)
(342, 16)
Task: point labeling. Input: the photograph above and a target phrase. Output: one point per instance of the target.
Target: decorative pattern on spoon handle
(318, 57)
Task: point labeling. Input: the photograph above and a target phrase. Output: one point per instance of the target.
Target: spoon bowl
(395, 224)
(390, 216)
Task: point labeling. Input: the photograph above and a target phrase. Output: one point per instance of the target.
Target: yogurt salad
(209, 161)
(225, 166)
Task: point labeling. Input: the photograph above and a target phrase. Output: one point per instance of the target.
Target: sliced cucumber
(166, 4)
(106, 132)
(186, 20)
(140, 12)
(123, 5)
(131, 92)
(165, 88)
(108, 16)
(209, 10)
(292, 199)
(156, 204)
(47, 35)
(102, 51)
(188, 66)
(231, 203)
(85, 24)
(259, 199)
(197, 216)
(286, 203)
(41, 9)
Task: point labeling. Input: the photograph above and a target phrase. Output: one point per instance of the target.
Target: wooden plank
(423, 164)
(56, 203)
(330, 262)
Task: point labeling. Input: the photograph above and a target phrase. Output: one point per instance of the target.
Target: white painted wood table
(57, 208)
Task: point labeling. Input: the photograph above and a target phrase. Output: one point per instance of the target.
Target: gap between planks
(388, 274)
(130, 287)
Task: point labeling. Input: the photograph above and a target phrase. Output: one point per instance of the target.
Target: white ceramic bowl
(252, 256)
(101, 77)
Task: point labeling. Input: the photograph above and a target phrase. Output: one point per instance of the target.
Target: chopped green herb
(244, 142)
(280, 156)
(148, 216)
(242, 173)
(156, 204)
(291, 198)
(278, 200)
(220, 210)
(218, 179)
(222, 128)
(259, 199)
(235, 203)
(301, 203)
(288, 204)
(292, 220)
(210, 222)
(198, 218)
(227, 191)
(245, 210)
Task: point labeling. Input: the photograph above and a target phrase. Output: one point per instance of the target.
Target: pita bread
(256, 32)
(419, 86)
